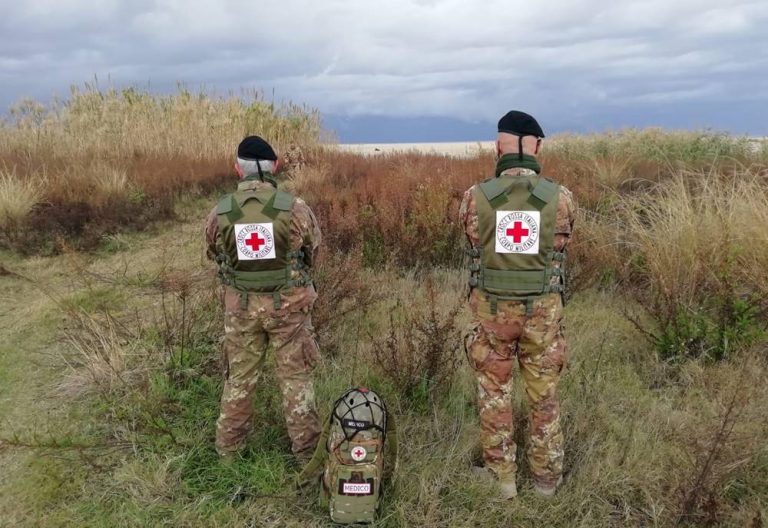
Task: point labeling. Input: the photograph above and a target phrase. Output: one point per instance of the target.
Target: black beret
(255, 148)
(520, 124)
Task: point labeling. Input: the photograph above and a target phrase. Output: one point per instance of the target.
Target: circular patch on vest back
(358, 453)
(518, 232)
(255, 241)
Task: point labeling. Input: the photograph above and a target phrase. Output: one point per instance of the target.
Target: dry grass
(111, 123)
(115, 160)
(696, 225)
(691, 251)
(17, 198)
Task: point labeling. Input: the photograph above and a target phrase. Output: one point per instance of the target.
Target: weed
(419, 354)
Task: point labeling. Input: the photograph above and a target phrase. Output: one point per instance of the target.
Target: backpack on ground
(357, 438)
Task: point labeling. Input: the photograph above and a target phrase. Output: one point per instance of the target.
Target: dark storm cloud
(567, 60)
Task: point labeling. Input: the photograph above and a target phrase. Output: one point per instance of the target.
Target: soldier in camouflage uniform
(294, 159)
(265, 242)
(518, 225)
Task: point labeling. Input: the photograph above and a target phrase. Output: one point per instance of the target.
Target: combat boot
(507, 483)
(508, 487)
(228, 459)
(547, 490)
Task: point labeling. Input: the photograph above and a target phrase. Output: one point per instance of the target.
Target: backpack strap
(225, 205)
(314, 468)
(227, 208)
(391, 447)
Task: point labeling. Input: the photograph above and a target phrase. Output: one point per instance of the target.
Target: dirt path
(29, 323)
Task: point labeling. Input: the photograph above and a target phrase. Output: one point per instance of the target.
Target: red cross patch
(358, 453)
(518, 232)
(255, 241)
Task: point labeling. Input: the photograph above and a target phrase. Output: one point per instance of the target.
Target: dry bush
(109, 347)
(83, 200)
(342, 290)
(17, 198)
(101, 351)
(398, 208)
(724, 445)
(418, 353)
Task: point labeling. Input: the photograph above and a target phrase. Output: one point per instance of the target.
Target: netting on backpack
(360, 410)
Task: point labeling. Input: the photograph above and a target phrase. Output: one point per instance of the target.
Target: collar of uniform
(254, 185)
(513, 161)
(518, 171)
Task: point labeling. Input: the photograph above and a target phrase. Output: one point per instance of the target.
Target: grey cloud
(467, 59)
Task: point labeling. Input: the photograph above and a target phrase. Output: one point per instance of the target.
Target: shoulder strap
(492, 188)
(391, 447)
(316, 464)
(225, 205)
(283, 201)
(545, 190)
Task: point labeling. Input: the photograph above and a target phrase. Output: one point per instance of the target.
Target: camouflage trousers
(251, 333)
(493, 344)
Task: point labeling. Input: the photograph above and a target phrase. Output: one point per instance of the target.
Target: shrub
(343, 289)
(419, 351)
(691, 254)
(398, 209)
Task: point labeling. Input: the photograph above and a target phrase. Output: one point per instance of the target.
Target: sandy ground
(458, 149)
(467, 149)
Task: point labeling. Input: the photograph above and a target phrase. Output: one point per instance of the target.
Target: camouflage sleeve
(468, 217)
(305, 231)
(566, 213)
(211, 232)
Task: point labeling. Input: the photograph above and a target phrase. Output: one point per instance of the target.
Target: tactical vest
(516, 275)
(267, 275)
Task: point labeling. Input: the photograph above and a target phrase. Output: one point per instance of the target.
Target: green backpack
(352, 449)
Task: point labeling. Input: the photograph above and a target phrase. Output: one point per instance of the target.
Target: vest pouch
(514, 282)
(354, 493)
(260, 281)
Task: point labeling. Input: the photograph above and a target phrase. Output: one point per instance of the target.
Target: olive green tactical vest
(248, 206)
(516, 275)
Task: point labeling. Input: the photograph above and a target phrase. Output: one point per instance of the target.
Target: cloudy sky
(413, 70)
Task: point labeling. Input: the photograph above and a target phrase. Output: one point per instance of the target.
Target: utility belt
(517, 285)
(264, 282)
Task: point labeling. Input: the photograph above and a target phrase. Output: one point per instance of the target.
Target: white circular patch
(255, 241)
(358, 453)
(517, 232)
